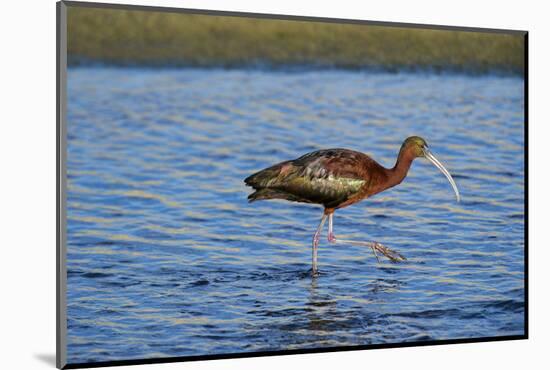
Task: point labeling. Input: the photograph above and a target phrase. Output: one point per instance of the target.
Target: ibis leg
(316, 238)
(375, 246)
(331, 236)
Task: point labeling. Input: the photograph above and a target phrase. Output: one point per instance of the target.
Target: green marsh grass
(134, 37)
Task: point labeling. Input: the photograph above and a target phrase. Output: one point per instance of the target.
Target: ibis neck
(401, 168)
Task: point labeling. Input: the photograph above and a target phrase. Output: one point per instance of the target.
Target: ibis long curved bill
(429, 156)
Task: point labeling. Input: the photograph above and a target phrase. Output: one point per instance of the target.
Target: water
(167, 258)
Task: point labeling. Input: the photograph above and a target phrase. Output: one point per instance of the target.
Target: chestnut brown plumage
(337, 178)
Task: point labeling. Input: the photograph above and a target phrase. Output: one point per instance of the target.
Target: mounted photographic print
(236, 185)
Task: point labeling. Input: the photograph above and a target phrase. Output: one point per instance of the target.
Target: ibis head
(419, 148)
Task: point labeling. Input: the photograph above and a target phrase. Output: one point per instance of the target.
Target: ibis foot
(376, 247)
(392, 255)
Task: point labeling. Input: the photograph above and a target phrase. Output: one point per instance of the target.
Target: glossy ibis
(337, 178)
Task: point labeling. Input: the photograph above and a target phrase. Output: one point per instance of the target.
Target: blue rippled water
(166, 257)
